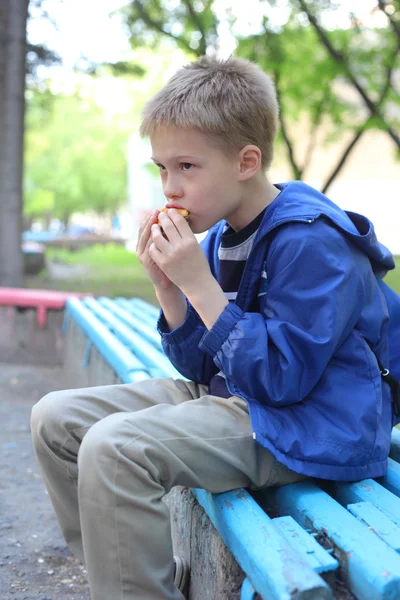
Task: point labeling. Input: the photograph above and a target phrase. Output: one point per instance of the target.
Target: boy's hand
(179, 257)
(159, 279)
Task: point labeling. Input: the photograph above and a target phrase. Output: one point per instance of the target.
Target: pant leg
(60, 421)
(129, 460)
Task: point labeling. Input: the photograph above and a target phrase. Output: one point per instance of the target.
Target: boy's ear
(250, 162)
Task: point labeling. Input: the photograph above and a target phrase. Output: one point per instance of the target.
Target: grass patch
(109, 271)
(393, 277)
(98, 255)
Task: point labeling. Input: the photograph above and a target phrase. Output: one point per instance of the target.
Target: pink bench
(42, 300)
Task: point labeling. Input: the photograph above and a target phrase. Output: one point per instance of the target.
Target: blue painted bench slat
(146, 333)
(282, 573)
(144, 350)
(364, 536)
(395, 445)
(149, 313)
(306, 545)
(133, 321)
(378, 522)
(368, 490)
(372, 567)
(145, 306)
(391, 481)
(126, 365)
(247, 591)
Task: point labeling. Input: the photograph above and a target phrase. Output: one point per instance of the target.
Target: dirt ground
(35, 563)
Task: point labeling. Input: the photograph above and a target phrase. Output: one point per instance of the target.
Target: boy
(276, 320)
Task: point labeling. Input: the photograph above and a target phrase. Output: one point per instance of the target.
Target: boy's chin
(197, 230)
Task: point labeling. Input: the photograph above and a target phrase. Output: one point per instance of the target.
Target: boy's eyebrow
(175, 157)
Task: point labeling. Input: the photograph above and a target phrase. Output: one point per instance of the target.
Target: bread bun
(182, 211)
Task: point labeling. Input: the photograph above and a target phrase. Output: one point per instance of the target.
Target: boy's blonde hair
(232, 101)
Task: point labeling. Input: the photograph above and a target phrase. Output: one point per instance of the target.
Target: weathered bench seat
(310, 540)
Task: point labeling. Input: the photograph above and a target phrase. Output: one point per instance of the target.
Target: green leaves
(190, 24)
(75, 157)
(334, 72)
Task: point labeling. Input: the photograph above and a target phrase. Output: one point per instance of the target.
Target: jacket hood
(298, 201)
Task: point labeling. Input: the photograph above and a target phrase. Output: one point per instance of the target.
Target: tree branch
(158, 26)
(197, 21)
(296, 169)
(340, 58)
(393, 23)
(343, 159)
(313, 137)
(361, 130)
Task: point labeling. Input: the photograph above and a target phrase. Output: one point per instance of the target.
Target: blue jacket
(299, 343)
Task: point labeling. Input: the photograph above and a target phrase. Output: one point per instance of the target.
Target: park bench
(31, 322)
(309, 540)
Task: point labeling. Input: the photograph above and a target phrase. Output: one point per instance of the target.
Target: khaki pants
(108, 456)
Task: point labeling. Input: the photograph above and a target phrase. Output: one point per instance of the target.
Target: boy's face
(197, 176)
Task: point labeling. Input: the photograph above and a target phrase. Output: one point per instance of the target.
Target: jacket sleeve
(313, 301)
(182, 344)
(182, 347)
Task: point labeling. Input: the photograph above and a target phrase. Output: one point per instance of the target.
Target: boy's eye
(185, 167)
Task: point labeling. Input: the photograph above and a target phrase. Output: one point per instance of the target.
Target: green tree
(304, 59)
(193, 26)
(18, 59)
(313, 88)
(75, 157)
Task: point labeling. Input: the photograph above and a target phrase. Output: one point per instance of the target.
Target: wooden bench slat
(367, 490)
(247, 591)
(274, 568)
(153, 311)
(378, 522)
(395, 444)
(145, 351)
(147, 334)
(133, 321)
(138, 308)
(371, 567)
(126, 365)
(391, 481)
(306, 545)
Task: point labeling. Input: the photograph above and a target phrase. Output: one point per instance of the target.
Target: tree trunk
(66, 220)
(13, 16)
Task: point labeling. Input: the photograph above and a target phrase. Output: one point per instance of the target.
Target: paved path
(35, 563)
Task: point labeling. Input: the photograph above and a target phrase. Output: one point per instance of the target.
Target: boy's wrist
(173, 304)
(169, 292)
(209, 301)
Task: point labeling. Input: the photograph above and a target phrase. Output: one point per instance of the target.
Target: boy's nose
(172, 189)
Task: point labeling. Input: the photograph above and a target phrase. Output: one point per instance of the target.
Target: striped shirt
(233, 252)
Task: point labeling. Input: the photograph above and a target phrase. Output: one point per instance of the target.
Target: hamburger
(182, 211)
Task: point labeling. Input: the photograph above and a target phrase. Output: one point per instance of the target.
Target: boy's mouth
(172, 205)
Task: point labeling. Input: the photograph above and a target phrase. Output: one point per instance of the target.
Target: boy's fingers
(169, 227)
(157, 236)
(144, 235)
(181, 224)
(140, 241)
(148, 244)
